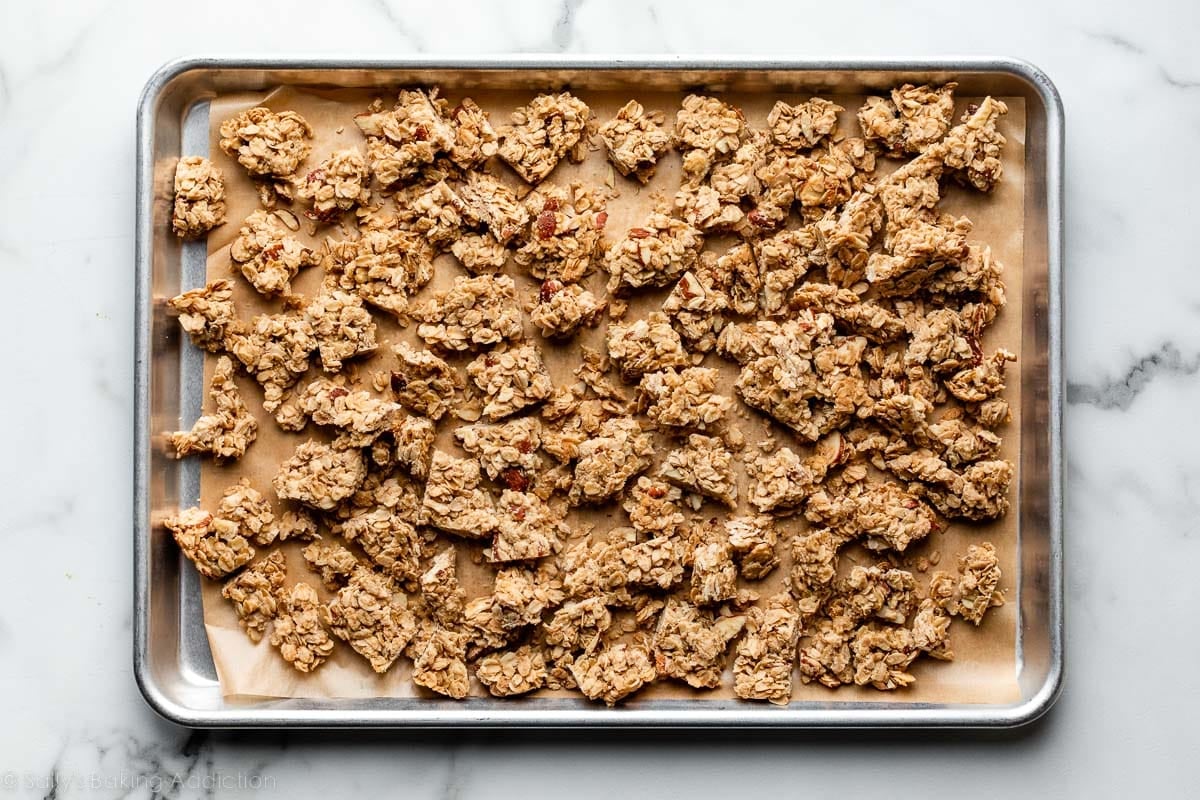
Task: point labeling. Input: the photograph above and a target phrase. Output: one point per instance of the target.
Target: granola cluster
(735, 479)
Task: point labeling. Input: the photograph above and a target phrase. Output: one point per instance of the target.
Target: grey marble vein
(1122, 43)
(564, 27)
(1120, 393)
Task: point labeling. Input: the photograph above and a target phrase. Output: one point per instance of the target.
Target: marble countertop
(70, 74)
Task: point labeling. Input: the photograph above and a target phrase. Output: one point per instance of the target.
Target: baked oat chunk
(268, 256)
(423, 383)
(825, 656)
(783, 260)
(762, 667)
(814, 566)
(684, 398)
(836, 171)
(645, 345)
(978, 492)
(483, 621)
(453, 500)
(634, 140)
(319, 476)
(983, 381)
(479, 253)
(332, 562)
(337, 185)
(296, 524)
(613, 672)
(528, 528)
(873, 592)
(267, 144)
(443, 596)
(959, 443)
(298, 631)
(440, 215)
(207, 314)
(702, 207)
(654, 254)
(402, 141)
(655, 563)
(882, 654)
(511, 445)
(690, 644)
(804, 125)
(753, 539)
(495, 205)
(972, 148)
(473, 314)
(566, 233)
(915, 118)
(706, 131)
(510, 379)
(853, 315)
(512, 672)
(254, 593)
(388, 538)
(976, 590)
(714, 575)
(226, 431)
(342, 328)
(653, 507)
(275, 349)
(439, 660)
(475, 139)
(619, 450)
(199, 198)
(942, 339)
(918, 252)
(743, 283)
(372, 617)
(413, 443)
(559, 310)
(783, 480)
(884, 514)
(540, 134)
(704, 466)
(358, 416)
(931, 631)
(524, 594)
(578, 626)
(383, 266)
(215, 546)
(695, 308)
(245, 506)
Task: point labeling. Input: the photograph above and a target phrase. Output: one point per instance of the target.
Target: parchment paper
(984, 670)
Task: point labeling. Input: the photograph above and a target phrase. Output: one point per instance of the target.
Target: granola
(634, 140)
(613, 672)
(423, 383)
(439, 661)
(475, 313)
(528, 528)
(645, 345)
(275, 349)
(684, 398)
(372, 617)
(254, 593)
(207, 314)
(341, 327)
(319, 476)
(654, 507)
(560, 310)
(804, 125)
(475, 139)
(707, 130)
(403, 140)
(387, 538)
(914, 118)
(882, 654)
(753, 539)
(337, 185)
(270, 146)
(566, 233)
(505, 447)
(883, 513)
(976, 590)
(762, 668)
(973, 148)
(540, 134)
(383, 266)
(512, 672)
(215, 546)
(227, 431)
(298, 631)
(454, 501)
(199, 198)
(245, 506)
(511, 379)
(655, 253)
(332, 562)
(714, 575)
(690, 644)
(620, 450)
(704, 466)
(268, 256)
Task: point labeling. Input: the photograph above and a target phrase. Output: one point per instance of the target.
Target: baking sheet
(985, 669)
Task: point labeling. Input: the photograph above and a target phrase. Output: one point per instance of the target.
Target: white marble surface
(73, 723)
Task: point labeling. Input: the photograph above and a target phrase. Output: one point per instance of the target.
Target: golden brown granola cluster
(511, 526)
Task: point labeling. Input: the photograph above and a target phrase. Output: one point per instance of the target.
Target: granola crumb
(254, 591)
(199, 198)
(207, 314)
(510, 379)
(320, 476)
(512, 672)
(614, 672)
(635, 140)
(372, 617)
(540, 134)
(215, 546)
(227, 431)
(475, 313)
(298, 631)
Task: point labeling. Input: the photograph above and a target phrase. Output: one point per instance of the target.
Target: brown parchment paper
(985, 667)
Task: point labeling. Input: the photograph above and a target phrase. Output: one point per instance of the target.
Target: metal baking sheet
(172, 662)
